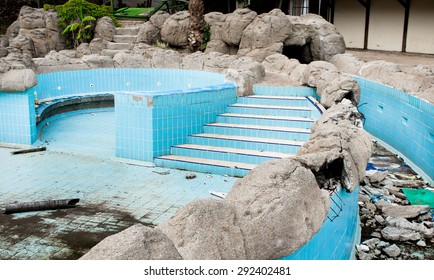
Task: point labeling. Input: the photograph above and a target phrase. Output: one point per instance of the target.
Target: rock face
(38, 33)
(334, 87)
(206, 230)
(266, 33)
(337, 150)
(134, 243)
(266, 197)
(175, 29)
(234, 25)
(18, 80)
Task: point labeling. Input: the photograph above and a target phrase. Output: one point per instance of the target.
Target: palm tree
(197, 24)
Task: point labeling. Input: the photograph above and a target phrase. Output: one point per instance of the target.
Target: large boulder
(148, 33)
(321, 37)
(137, 242)
(333, 87)
(18, 80)
(59, 61)
(279, 208)
(163, 58)
(245, 79)
(25, 44)
(175, 29)
(279, 63)
(41, 28)
(314, 71)
(261, 53)
(127, 60)
(266, 30)
(31, 18)
(206, 230)
(215, 20)
(105, 29)
(193, 61)
(347, 63)
(159, 18)
(234, 25)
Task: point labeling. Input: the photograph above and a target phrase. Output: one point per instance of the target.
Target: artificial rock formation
(206, 230)
(279, 207)
(18, 80)
(338, 150)
(137, 242)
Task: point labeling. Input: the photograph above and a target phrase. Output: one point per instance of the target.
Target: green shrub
(77, 20)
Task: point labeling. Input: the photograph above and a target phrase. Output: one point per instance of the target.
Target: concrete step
(128, 30)
(124, 38)
(119, 46)
(112, 53)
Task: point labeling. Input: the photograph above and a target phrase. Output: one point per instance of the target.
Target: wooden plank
(40, 149)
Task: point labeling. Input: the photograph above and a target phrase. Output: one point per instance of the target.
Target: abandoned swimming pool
(137, 108)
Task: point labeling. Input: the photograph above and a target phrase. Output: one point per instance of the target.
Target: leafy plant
(75, 16)
(80, 31)
(161, 45)
(206, 37)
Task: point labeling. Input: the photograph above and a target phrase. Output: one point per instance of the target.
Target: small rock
(421, 243)
(392, 251)
(362, 248)
(418, 255)
(401, 234)
(375, 176)
(382, 244)
(377, 252)
(379, 219)
(371, 243)
(190, 176)
(376, 234)
(411, 211)
(365, 256)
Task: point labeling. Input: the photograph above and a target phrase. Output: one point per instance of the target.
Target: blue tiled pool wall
(148, 126)
(83, 82)
(338, 234)
(403, 121)
(17, 117)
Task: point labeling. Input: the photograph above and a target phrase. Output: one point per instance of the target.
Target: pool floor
(114, 194)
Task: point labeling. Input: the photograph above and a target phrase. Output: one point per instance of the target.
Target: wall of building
(386, 25)
(349, 19)
(420, 36)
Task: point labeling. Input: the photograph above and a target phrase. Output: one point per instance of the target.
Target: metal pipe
(39, 205)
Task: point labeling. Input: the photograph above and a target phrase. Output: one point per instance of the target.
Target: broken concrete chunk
(399, 234)
(376, 176)
(392, 251)
(409, 211)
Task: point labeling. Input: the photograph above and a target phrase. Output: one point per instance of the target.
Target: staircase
(123, 40)
(255, 129)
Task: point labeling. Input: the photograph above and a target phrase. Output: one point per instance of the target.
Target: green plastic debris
(419, 196)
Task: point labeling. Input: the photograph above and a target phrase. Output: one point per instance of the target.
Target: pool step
(274, 100)
(221, 167)
(274, 132)
(298, 122)
(253, 130)
(269, 110)
(226, 154)
(244, 142)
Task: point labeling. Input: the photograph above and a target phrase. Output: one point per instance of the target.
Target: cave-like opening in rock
(330, 175)
(301, 53)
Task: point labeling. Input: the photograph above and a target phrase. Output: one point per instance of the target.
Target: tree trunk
(197, 23)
